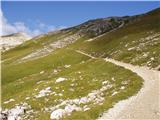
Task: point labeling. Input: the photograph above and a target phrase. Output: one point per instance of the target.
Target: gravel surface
(144, 105)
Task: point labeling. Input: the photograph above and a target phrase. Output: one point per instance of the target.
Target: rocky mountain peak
(9, 41)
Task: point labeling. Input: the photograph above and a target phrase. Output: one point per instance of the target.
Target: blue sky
(46, 16)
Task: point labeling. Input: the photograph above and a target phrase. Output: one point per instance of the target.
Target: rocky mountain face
(99, 26)
(9, 41)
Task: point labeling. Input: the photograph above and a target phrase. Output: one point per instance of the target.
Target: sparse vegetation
(34, 81)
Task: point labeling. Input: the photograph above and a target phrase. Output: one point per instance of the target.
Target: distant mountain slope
(10, 41)
(47, 43)
(137, 43)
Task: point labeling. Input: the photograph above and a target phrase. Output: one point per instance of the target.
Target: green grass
(113, 44)
(92, 72)
(12, 73)
(33, 45)
(19, 80)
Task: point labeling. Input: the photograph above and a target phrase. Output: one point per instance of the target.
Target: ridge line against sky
(42, 17)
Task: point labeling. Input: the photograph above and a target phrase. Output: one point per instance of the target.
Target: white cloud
(42, 25)
(8, 28)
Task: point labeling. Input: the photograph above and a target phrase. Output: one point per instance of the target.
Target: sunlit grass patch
(80, 81)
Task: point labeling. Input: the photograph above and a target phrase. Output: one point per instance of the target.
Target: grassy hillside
(24, 81)
(62, 78)
(137, 43)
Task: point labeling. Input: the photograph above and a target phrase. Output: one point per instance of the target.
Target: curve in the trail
(145, 104)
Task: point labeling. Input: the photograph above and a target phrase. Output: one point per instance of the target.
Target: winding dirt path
(78, 51)
(145, 104)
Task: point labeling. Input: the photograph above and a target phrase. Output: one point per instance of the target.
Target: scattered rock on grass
(44, 92)
(60, 79)
(10, 100)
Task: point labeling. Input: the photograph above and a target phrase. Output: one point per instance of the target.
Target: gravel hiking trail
(145, 104)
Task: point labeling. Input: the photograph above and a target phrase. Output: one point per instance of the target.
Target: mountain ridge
(12, 40)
